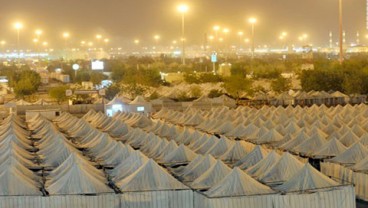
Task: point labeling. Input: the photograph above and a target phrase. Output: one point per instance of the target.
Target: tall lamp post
(252, 21)
(18, 26)
(66, 36)
(183, 9)
(341, 58)
(2, 44)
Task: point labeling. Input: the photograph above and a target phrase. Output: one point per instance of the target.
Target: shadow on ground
(361, 204)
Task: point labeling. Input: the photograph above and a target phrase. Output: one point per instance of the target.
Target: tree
(33, 77)
(154, 95)
(281, 84)
(112, 91)
(196, 91)
(97, 77)
(236, 85)
(134, 89)
(23, 88)
(59, 93)
(215, 93)
(26, 83)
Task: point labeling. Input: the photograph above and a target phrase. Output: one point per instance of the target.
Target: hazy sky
(124, 20)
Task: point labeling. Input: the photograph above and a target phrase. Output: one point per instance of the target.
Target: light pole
(341, 59)
(156, 38)
(240, 34)
(38, 33)
(66, 36)
(98, 37)
(252, 21)
(106, 41)
(18, 26)
(2, 43)
(183, 9)
(282, 37)
(226, 32)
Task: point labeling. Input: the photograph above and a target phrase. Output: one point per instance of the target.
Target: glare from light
(18, 25)
(66, 35)
(136, 41)
(106, 40)
(157, 37)
(38, 32)
(183, 8)
(35, 40)
(226, 30)
(240, 33)
(216, 28)
(252, 20)
(98, 36)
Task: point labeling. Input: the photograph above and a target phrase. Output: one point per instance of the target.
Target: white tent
(331, 149)
(76, 176)
(354, 154)
(212, 176)
(238, 183)
(256, 155)
(150, 177)
(306, 179)
(264, 165)
(282, 171)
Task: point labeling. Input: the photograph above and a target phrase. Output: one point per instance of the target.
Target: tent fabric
(256, 155)
(212, 176)
(307, 178)
(150, 177)
(331, 149)
(282, 171)
(264, 165)
(76, 176)
(194, 171)
(354, 154)
(238, 183)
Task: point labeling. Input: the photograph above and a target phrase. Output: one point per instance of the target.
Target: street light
(38, 33)
(341, 59)
(66, 36)
(183, 9)
(18, 26)
(2, 43)
(252, 21)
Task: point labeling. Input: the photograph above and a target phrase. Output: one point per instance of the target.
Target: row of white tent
(337, 134)
(206, 168)
(74, 156)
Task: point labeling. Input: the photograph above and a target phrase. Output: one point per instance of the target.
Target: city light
(106, 40)
(183, 8)
(18, 25)
(252, 20)
(98, 37)
(38, 32)
(66, 35)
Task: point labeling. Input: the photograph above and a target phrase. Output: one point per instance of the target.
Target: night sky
(124, 20)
